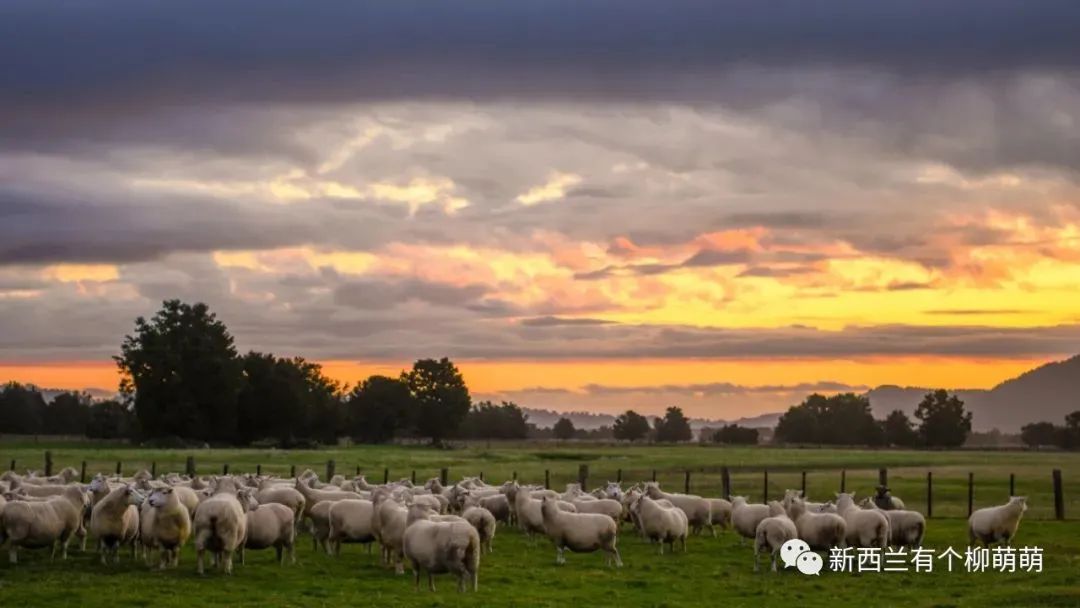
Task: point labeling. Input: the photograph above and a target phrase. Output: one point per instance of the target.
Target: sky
(588, 205)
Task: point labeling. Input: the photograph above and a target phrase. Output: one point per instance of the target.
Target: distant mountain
(1046, 393)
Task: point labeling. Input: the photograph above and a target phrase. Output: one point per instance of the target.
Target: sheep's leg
(416, 575)
(431, 581)
(757, 553)
(292, 553)
(13, 554)
(199, 553)
(228, 561)
(618, 558)
(775, 553)
(243, 556)
(559, 557)
(280, 555)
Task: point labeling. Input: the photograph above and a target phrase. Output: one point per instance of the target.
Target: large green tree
(22, 409)
(286, 399)
(182, 372)
(67, 414)
(111, 420)
(943, 420)
(379, 408)
(843, 419)
(489, 421)
(673, 427)
(442, 398)
(631, 426)
(735, 434)
(564, 429)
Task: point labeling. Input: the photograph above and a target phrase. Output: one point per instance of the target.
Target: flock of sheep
(436, 529)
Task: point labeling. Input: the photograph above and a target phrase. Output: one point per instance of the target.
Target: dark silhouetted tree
(442, 399)
(1039, 434)
(899, 430)
(563, 429)
(67, 414)
(22, 409)
(111, 420)
(843, 419)
(673, 427)
(182, 372)
(379, 409)
(489, 421)
(631, 426)
(735, 434)
(943, 421)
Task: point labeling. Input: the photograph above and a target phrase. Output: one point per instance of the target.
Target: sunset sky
(589, 205)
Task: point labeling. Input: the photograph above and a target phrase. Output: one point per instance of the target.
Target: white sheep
(772, 532)
(484, 522)
(746, 516)
(165, 524)
(906, 528)
(220, 526)
(498, 505)
(114, 521)
(269, 525)
(50, 522)
(319, 525)
(865, 527)
(697, 509)
(997, 524)
(721, 513)
(819, 530)
(313, 497)
(661, 523)
(389, 523)
(350, 522)
(580, 532)
(283, 495)
(527, 509)
(604, 506)
(441, 546)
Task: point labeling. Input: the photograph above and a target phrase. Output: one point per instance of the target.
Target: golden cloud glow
(552, 190)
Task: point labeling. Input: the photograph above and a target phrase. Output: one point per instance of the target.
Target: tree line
(1040, 434)
(846, 419)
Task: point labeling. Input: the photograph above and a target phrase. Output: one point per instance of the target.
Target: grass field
(713, 572)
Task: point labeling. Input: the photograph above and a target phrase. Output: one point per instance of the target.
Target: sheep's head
(98, 484)
(159, 497)
(882, 491)
(247, 499)
(1019, 500)
(134, 496)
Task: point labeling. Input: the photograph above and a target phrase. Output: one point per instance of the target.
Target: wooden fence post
(929, 494)
(481, 476)
(82, 473)
(971, 493)
(804, 483)
(843, 480)
(765, 488)
(48, 463)
(547, 479)
(258, 470)
(725, 481)
(686, 483)
(883, 476)
(189, 467)
(386, 475)
(225, 469)
(292, 471)
(515, 476)
(12, 467)
(618, 476)
(153, 470)
(583, 477)
(331, 469)
(1059, 496)
(119, 467)
(357, 470)
(414, 477)
(1012, 484)
(444, 476)
(654, 474)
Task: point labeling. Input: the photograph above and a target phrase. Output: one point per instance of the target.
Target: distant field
(498, 461)
(713, 572)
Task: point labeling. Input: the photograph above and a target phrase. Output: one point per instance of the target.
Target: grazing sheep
(51, 522)
(498, 505)
(350, 522)
(220, 525)
(745, 516)
(165, 525)
(604, 506)
(819, 530)
(389, 523)
(772, 533)
(865, 528)
(659, 523)
(313, 496)
(269, 525)
(283, 495)
(319, 525)
(906, 528)
(885, 501)
(697, 509)
(114, 521)
(721, 513)
(996, 524)
(441, 546)
(580, 532)
(484, 522)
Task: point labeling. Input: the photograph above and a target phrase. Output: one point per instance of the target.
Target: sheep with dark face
(885, 501)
